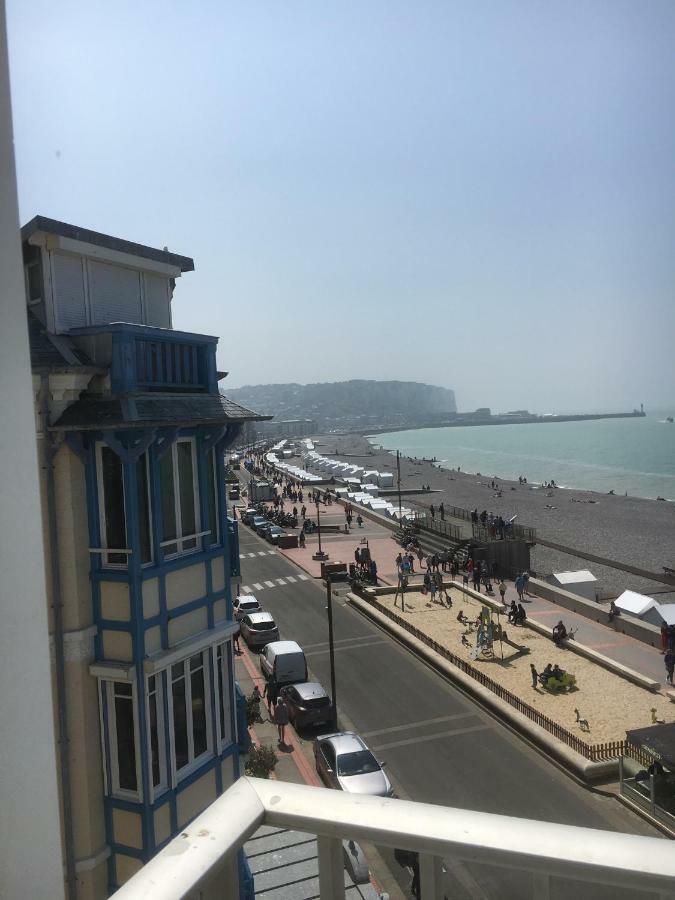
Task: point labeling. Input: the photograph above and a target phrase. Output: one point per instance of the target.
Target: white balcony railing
(201, 860)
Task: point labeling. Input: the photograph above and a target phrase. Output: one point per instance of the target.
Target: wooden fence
(593, 752)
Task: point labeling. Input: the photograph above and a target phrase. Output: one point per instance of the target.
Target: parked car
(344, 762)
(244, 604)
(264, 529)
(258, 629)
(284, 661)
(308, 704)
(248, 515)
(258, 522)
(273, 533)
(234, 492)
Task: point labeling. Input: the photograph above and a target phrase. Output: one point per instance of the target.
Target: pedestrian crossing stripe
(257, 553)
(269, 583)
(280, 582)
(303, 577)
(291, 579)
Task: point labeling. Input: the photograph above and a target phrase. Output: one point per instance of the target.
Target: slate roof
(49, 352)
(53, 226)
(142, 410)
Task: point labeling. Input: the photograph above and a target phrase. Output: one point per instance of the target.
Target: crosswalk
(258, 553)
(259, 586)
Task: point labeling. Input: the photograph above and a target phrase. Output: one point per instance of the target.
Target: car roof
(247, 598)
(256, 617)
(283, 646)
(310, 690)
(344, 741)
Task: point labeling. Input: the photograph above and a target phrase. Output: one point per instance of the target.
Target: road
(439, 746)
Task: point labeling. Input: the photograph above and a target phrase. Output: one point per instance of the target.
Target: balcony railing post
(541, 886)
(331, 869)
(431, 877)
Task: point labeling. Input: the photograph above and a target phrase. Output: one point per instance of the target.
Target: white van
(284, 662)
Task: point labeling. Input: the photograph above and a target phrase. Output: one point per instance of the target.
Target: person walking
(520, 587)
(502, 591)
(432, 510)
(271, 692)
(441, 510)
(535, 675)
(281, 718)
(476, 579)
(669, 661)
(664, 637)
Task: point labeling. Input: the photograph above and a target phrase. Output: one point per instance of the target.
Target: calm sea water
(636, 456)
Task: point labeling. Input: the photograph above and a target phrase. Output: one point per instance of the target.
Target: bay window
(118, 701)
(178, 484)
(156, 737)
(224, 694)
(211, 461)
(190, 713)
(114, 506)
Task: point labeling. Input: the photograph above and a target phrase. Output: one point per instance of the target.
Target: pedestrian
(359, 520)
(399, 559)
(502, 591)
(612, 611)
(432, 586)
(520, 586)
(271, 692)
(526, 582)
(476, 579)
(669, 661)
(426, 583)
(671, 637)
(235, 640)
(664, 637)
(281, 719)
(441, 510)
(535, 675)
(432, 510)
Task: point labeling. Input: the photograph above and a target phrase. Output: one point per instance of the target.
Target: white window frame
(211, 459)
(157, 790)
(104, 549)
(108, 686)
(193, 763)
(221, 685)
(181, 538)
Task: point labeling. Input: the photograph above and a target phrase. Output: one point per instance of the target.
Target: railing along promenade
(480, 532)
(201, 862)
(593, 752)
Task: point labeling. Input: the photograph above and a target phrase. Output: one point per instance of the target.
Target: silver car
(244, 604)
(258, 629)
(344, 762)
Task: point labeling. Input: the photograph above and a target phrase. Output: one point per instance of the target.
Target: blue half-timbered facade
(150, 432)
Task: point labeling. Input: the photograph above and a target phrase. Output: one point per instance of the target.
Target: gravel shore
(628, 529)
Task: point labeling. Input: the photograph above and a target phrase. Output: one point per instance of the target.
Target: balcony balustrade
(558, 861)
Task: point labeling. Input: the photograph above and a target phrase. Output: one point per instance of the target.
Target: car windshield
(263, 626)
(359, 763)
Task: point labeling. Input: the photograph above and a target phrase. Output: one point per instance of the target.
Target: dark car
(273, 533)
(258, 522)
(308, 704)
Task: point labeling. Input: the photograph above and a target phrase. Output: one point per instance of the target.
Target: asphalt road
(439, 746)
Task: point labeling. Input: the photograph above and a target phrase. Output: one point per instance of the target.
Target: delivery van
(284, 662)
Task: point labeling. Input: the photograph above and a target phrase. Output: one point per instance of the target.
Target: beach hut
(667, 613)
(370, 489)
(385, 480)
(583, 583)
(639, 606)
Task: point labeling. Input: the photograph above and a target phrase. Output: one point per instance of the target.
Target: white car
(344, 762)
(244, 604)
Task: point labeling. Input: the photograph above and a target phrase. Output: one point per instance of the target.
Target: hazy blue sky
(476, 194)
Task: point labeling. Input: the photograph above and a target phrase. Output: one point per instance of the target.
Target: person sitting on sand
(557, 672)
(513, 612)
(521, 615)
(462, 618)
(546, 674)
(559, 633)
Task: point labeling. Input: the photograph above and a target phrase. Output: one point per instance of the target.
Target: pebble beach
(628, 529)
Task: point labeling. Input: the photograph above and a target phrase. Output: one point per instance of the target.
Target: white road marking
(303, 577)
(281, 581)
(258, 586)
(250, 555)
(291, 578)
(345, 647)
(369, 734)
(429, 737)
(272, 552)
(269, 583)
(245, 589)
(260, 553)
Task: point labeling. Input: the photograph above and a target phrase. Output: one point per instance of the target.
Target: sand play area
(611, 704)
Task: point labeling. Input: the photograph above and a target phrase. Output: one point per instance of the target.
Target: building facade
(139, 549)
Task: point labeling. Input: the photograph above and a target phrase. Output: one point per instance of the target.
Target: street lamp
(331, 647)
(320, 555)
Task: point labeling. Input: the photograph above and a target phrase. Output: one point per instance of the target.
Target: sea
(633, 456)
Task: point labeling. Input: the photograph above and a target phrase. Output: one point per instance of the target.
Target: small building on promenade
(583, 583)
(131, 432)
(639, 606)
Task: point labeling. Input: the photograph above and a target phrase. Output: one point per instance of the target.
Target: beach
(631, 530)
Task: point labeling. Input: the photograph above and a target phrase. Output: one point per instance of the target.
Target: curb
(582, 768)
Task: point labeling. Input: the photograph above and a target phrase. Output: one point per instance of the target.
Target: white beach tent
(583, 583)
(667, 612)
(639, 606)
(385, 479)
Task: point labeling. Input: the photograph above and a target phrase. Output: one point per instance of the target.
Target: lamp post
(331, 647)
(320, 555)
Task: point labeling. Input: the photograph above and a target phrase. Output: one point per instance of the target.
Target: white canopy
(634, 604)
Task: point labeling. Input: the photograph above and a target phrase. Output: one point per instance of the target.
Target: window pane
(113, 501)
(180, 730)
(168, 498)
(211, 496)
(126, 743)
(143, 508)
(154, 734)
(198, 712)
(219, 674)
(186, 488)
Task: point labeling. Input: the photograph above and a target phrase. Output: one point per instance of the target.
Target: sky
(478, 194)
